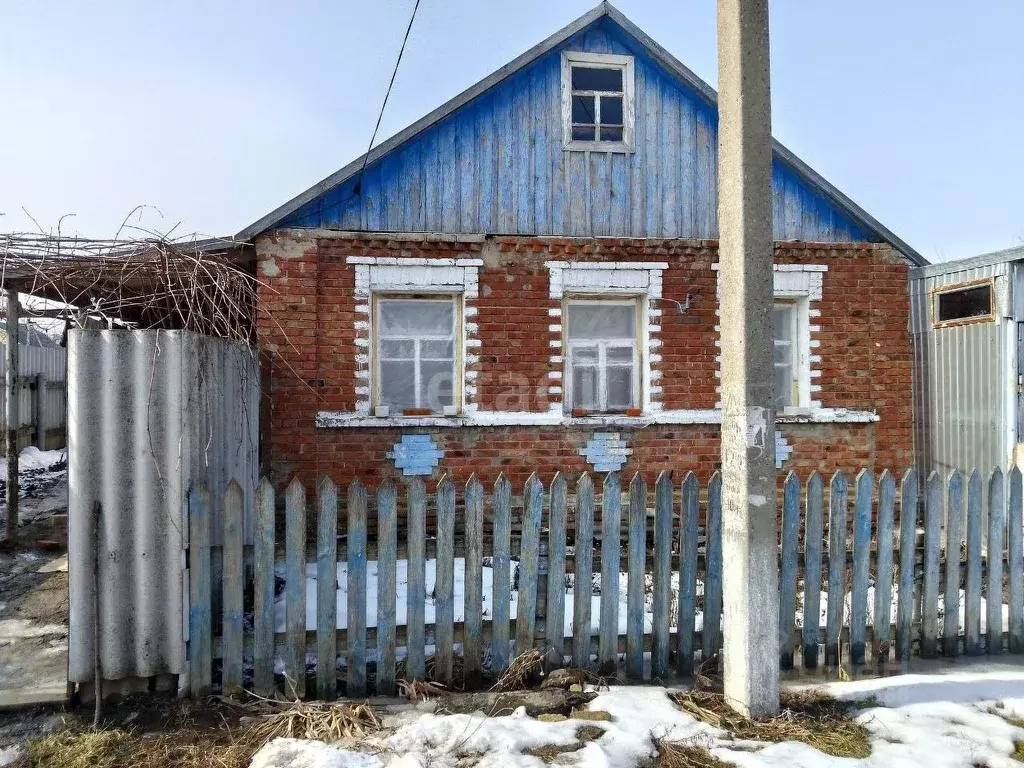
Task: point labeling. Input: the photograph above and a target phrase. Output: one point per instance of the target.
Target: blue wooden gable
(493, 161)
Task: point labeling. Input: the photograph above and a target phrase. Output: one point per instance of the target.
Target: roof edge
(662, 55)
(1004, 256)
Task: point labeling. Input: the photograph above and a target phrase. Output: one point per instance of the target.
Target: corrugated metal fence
(150, 413)
(48, 367)
(495, 574)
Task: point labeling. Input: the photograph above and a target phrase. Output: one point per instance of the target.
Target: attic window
(597, 101)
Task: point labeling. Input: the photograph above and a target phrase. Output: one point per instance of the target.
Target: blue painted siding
(497, 165)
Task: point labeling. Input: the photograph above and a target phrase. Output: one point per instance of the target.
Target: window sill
(618, 147)
(556, 418)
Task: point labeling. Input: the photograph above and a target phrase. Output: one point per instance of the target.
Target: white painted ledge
(347, 420)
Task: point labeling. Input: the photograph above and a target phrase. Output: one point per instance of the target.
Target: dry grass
(815, 719)
(177, 740)
(548, 753)
(420, 690)
(1018, 751)
(525, 668)
(677, 754)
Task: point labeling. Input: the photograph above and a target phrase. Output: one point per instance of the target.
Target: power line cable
(358, 185)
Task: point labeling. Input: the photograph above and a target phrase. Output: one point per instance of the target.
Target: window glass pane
(431, 349)
(397, 385)
(583, 133)
(402, 349)
(611, 134)
(620, 388)
(619, 355)
(584, 354)
(782, 354)
(596, 79)
(782, 322)
(611, 110)
(783, 386)
(414, 317)
(965, 303)
(436, 385)
(602, 321)
(583, 109)
(584, 388)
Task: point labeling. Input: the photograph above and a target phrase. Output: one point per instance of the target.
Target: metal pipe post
(11, 383)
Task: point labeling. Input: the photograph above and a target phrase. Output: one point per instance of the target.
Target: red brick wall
(307, 327)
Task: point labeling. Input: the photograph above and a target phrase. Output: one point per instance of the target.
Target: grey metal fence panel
(150, 413)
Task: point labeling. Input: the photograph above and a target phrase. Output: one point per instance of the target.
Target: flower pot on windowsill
(416, 412)
(579, 413)
(634, 412)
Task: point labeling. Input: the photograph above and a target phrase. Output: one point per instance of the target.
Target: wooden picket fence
(677, 532)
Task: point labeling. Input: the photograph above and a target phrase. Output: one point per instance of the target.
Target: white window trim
(640, 281)
(633, 302)
(388, 274)
(603, 60)
(801, 283)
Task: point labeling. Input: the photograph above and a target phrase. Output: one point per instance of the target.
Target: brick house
(525, 279)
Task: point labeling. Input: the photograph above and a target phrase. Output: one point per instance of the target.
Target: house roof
(1005, 256)
(660, 54)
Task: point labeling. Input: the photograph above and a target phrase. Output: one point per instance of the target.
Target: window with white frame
(603, 357)
(791, 353)
(597, 101)
(416, 353)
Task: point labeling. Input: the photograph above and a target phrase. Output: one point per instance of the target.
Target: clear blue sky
(217, 112)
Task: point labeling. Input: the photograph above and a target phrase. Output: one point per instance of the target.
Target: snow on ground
(31, 458)
(953, 720)
(402, 596)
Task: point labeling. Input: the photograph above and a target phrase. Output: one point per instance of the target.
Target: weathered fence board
(356, 639)
(838, 503)
(263, 591)
(295, 588)
(635, 577)
(687, 573)
(584, 572)
(787, 573)
(611, 521)
(554, 623)
(233, 583)
(637, 543)
(813, 538)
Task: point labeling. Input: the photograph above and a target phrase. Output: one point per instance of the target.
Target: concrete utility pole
(12, 415)
(751, 579)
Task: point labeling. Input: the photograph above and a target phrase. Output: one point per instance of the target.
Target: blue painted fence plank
(954, 537)
(972, 597)
(861, 567)
(529, 558)
(712, 636)
(996, 544)
(295, 590)
(355, 686)
(908, 550)
(787, 575)
(886, 544)
(232, 626)
(813, 538)
(554, 623)
(611, 524)
(263, 591)
(636, 557)
(326, 590)
(502, 534)
(387, 557)
(416, 537)
(444, 586)
(662, 575)
(838, 512)
(930, 579)
(687, 574)
(200, 646)
(1015, 561)
(584, 572)
(472, 648)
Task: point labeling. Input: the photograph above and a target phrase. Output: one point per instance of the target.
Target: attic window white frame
(599, 61)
